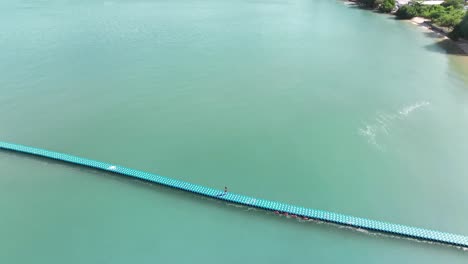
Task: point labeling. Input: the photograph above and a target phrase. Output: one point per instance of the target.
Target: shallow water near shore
(312, 103)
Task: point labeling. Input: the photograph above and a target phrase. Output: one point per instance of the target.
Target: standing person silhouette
(224, 193)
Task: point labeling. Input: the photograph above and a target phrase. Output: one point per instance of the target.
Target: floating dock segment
(339, 219)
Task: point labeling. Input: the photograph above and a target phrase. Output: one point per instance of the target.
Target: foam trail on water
(383, 121)
(370, 133)
(407, 110)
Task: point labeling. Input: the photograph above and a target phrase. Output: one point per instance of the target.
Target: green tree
(406, 12)
(387, 6)
(463, 26)
(450, 17)
(460, 30)
(457, 4)
(434, 12)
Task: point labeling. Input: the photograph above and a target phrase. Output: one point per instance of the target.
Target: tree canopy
(448, 15)
(460, 30)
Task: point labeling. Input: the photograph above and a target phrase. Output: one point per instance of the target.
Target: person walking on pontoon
(224, 193)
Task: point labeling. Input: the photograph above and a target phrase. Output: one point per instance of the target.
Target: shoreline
(439, 32)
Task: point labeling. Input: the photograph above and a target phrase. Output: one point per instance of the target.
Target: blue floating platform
(336, 218)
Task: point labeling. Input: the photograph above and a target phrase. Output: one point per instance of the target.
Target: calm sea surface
(308, 102)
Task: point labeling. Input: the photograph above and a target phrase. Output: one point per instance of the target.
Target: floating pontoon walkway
(306, 213)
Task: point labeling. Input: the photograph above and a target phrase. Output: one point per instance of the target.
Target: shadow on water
(434, 35)
(445, 46)
(360, 7)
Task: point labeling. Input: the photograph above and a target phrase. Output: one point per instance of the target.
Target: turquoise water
(307, 102)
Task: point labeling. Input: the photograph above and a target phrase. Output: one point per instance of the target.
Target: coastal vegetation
(450, 14)
(460, 30)
(387, 6)
(384, 6)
